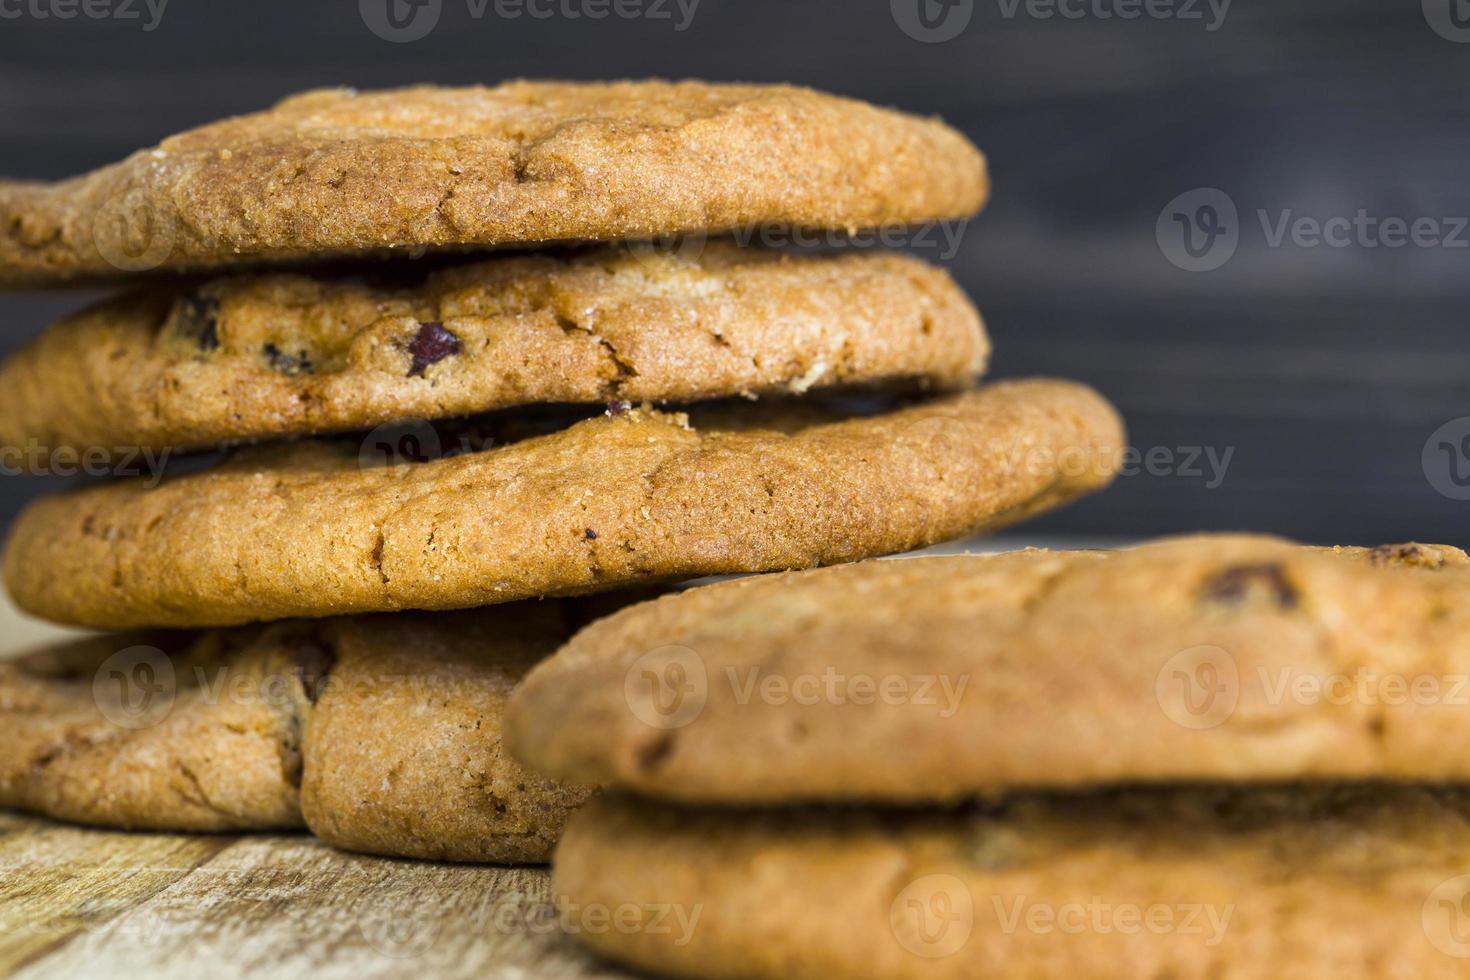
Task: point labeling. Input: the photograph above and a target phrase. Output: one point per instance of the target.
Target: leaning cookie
(1360, 882)
(1231, 658)
(339, 172)
(634, 495)
(379, 734)
(255, 357)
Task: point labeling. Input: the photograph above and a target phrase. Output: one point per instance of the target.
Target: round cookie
(1360, 882)
(255, 357)
(379, 734)
(140, 731)
(340, 172)
(1200, 658)
(634, 495)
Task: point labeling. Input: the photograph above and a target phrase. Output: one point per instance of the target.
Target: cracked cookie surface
(1191, 883)
(255, 357)
(379, 734)
(1202, 658)
(339, 172)
(634, 495)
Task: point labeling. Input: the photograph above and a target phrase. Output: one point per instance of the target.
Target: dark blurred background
(1329, 375)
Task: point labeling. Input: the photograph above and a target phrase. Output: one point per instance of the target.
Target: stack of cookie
(1206, 757)
(609, 415)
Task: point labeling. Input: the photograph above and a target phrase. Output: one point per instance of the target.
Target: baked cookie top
(317, 528)
(341, 172)
(1199, 658)
(258, 356)
(1362, 881)
(245, 729)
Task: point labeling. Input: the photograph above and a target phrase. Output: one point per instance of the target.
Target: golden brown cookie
(1365, 882)
(339, 172)
(631, 496)
(1199, 658)
(380, 734)
(252, 357)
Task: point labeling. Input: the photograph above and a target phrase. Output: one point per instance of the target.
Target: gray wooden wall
(1324, 370)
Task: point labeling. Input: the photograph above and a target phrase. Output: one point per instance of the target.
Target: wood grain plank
(61, 883)
(278, 905)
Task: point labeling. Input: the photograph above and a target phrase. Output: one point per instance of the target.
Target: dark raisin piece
(430, 346)
(619, 407)
(312, 664)
(197, 318)
(288, 364)
(591, 534)
(1411, 555)
(1237, 585)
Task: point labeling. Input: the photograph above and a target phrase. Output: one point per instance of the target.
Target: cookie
(1352, 882)
(339, 172)
(1200, 658)
(380, 734)
(633, 495)
(253, 357)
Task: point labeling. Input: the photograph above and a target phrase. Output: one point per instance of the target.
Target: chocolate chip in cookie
(288, 364)
(197, 318)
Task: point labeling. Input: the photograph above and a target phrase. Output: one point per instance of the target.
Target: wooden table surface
(86, 903)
